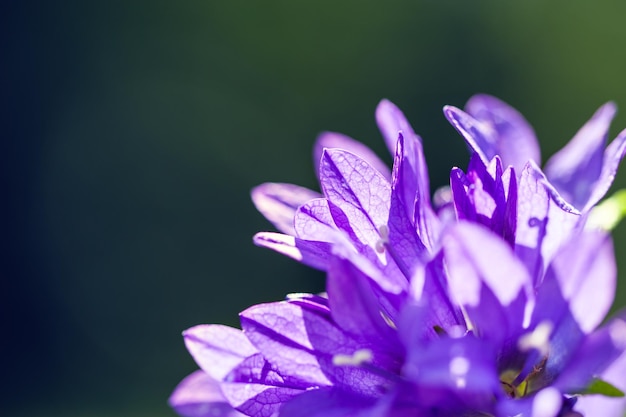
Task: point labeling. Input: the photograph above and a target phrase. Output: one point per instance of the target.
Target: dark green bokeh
(133, 132)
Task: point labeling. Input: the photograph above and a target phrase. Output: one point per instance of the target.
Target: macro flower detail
(581, 172)
(497, 310)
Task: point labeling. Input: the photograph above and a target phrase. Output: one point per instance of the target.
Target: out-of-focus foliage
(132, 133)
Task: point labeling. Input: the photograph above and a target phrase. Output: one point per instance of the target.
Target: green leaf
(610, 212)
(601, 387)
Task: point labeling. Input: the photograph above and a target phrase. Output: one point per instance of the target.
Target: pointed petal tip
(259, 193)
(454, 115)
(610, 107)
(256, 191)
(448, 108)
(385, 108)
(329, 139)
(385, 103)
(485, 102)
(485, 99)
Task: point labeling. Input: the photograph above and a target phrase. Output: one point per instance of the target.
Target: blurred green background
(132, 133)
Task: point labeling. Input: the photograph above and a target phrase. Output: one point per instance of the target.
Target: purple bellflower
(581, 172)
(497, 313)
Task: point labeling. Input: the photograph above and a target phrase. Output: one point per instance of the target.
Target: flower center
(531, 383)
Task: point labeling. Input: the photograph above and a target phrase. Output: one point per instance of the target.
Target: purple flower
(495, 313)
(362, 200)
(581, 172)
(482, 337)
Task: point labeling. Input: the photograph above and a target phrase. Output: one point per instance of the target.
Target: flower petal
(589, 405)
(360, 191)
(217, 349)
(314, 221)
(612, 157)
(552, 312)
(515, 141)
(311, 253)
(327, 402)
(545, 403)
(596, 354)
(258, 400)
(359, 201)
(340, 141)
(279, 330)
(430, 310)
(199, 395)
(302, 343)
(278, 203)
(403, 239)
(544, 221)
(355, 304)
(256, 388)
(488, 280)
(392, 122)
(465, 365)
(575, 169)
(477, 135)
(586, 270)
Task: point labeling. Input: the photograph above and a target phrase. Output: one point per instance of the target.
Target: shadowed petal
(575, 169)
(586, 270)
(355, 306)
(545, 403)
(199, 395)
(488, 280)
(279, 330)
(477, 135)
(589, 405)
(403, 237)
(256, 369)
(612, 157)
(599, 350)
(464, 366)
(430, 310)
(553, 310)
(340, 141)
(544, 221)
(278, 203)
(258, 400)
(217, 349)
(392, 123)
(303, 343)
(515, 142)
(388, 279)
(486, 195)
(328, 402)
(256, 388)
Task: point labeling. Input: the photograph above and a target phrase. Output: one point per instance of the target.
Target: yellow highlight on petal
(609, 213)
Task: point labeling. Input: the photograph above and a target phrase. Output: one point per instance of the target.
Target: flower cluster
(487, 300)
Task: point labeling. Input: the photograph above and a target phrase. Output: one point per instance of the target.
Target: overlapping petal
(311, 253)
(279, 202)
(544, 221)
(332, 140)
(514, 139)
(303, 342)
(217, 349)
(493, 313)
(199, 395)
(575, 169)
(488, 281)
